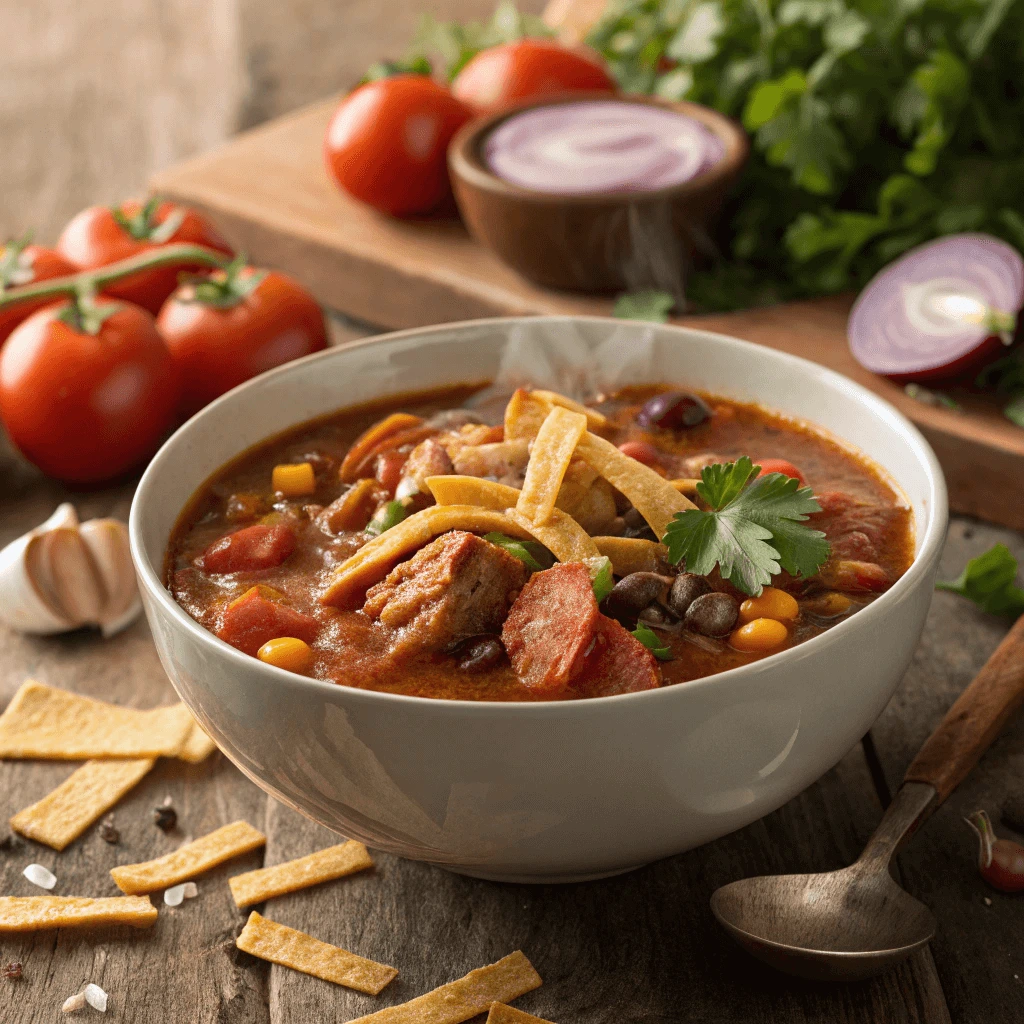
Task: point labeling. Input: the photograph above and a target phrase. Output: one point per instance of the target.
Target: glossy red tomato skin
(93, 238)
(528, 69)
(217, 349)
(87, 408)
(46, 264)
(387, 144)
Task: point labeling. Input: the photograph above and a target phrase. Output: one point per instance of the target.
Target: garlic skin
(64, 575)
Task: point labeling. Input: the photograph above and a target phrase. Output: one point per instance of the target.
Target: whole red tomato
(234, 325)
(386, 144)
(22, 264)
(529, 68)
(87, 391)
(101, 235)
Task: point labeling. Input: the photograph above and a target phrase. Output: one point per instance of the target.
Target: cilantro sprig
(990, 581)
(753, 529)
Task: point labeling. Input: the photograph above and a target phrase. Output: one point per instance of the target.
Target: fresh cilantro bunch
(990, 581)
(753, 530)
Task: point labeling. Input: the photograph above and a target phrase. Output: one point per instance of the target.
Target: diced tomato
(255, 547)
(253, 619)
(780, 466)
(856, 576)
(835, 503)
(389, 469)
(619, 663)
(642, 452)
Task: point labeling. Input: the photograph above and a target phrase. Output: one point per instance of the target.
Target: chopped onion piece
(96, 997)
(38, 875)
(174, 895)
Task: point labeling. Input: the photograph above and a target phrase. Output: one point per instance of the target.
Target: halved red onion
(939, 309)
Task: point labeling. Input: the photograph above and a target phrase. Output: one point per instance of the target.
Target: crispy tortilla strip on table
(66, 812)
(35, 913)
(632, 554)
(322, 866)
(458, 1001)
(44, 722)
(198, 746)
(652, 495)
(472, 490)
(549, 459)
(372, 562)
(502, 1014)
(282, 945)
(189, 860)
(561, 535)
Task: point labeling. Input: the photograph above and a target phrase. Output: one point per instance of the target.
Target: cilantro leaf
(753, 530)
(990, 582)
(649, 305)
(652, 642)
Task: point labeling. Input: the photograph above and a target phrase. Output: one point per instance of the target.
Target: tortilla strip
(502, 1014)
(372, 562)
(594, 418)
(189, 860)
(632, 554)
(685, 486)
(458, 1001)
(34, 913)
(198, 746)
(524, 414)
(44, 722)
(652, 495)
(561, 535)
(282, 945)
(549, 459)
(322, 866)
(66, 812)
(472, 490)
(371, 438)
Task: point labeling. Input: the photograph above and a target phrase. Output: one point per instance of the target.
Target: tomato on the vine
(22, 263)
(87, 389)
(223, 329)
(386, 144)
(528, 68)
(101, 235)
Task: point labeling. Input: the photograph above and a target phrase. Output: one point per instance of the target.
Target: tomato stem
(223, 288)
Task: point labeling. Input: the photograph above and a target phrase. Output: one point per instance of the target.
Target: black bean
(636, 525)
(686, 588)
(655, 615)
(636, 591)
(673, 410)
(481, 653)
(712, 614)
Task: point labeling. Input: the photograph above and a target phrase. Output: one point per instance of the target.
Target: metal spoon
(851, 924)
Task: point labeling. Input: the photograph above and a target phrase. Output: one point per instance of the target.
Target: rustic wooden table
(639, 948)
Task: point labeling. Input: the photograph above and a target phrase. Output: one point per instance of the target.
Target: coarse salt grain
(988, 901)
(174, 895)
(38, 875)
(96, 997)
(191, 890)
(74, 1003)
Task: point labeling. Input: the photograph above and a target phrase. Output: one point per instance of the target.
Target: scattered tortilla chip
(42, 721)
(282, 945)
(632, 554)
(458, 1001)
(652, 495)
(66, 812)
(549, 459)
(34, 913)
(372, 562)
(189, 860)
(502, 1014)
(472, 490)
(322, 866)
(561, 535)
(198, 745)
(594, 418)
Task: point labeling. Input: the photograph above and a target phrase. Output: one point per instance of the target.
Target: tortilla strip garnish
(282, 945)
(524, 414)
(189, 860)
(66, 812)
(685, 486)
(372, 562)
(458, 1001)
(561, 535)
(549, 459)
(472, 490)
(198, 746)
(502, 1014)
(34, 913)
(652, 495)
(371, 438)
(594, 418)
(632, 554)
(44, 722)
(322, 866)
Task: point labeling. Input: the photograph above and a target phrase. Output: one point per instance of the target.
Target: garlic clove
(61, 567)
(107, 542)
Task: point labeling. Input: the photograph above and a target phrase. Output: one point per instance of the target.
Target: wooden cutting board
(268, 191)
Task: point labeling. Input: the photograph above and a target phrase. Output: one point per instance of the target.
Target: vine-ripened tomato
(235, 324)
(87, 399)
(386, 144)
(529, 68)
(101, 235)
(22, 264)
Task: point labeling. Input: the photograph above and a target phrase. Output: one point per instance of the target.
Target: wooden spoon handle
(974, 721)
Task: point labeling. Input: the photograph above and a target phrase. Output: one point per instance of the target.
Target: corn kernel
(294, 480)
(759, 636)
(772, 604)
(287, 652)
(830, 605)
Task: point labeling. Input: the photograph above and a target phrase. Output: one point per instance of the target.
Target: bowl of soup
(475, 627)
(598, 194)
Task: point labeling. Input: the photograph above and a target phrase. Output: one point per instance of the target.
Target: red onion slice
(939, 309)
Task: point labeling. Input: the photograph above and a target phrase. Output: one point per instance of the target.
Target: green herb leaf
(534, 556)
(652, 642)
(600, 576)
(386, 516)
(416, 64)
(753, 531)
(990, 582)
(649, 305)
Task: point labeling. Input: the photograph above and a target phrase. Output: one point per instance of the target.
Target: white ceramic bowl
(549, 791)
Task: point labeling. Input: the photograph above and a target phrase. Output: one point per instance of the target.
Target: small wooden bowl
(595, 242)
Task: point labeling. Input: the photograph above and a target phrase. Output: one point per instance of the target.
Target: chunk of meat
(459, 585)
(855, 528)
(428, 458)
(254, 618)
(262, 546)
(552, 627)
(353, 509)
(619, 663)
(504, 461)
